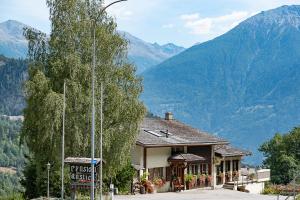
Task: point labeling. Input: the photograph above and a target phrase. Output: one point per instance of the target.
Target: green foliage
(11, 154)
(144, 177)
(282, 154)
(12, 74)
(270, 189)
(124, 178)
(10, 187)
(67, 56)
(188, 178)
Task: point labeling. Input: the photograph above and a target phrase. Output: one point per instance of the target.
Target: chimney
(168, 116)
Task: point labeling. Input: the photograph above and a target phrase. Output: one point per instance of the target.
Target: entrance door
(178, 171)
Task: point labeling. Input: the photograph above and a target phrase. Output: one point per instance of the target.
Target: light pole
(102, 9)
(48, 169)
(63, 145)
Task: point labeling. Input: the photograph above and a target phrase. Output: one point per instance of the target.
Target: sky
(182, 22)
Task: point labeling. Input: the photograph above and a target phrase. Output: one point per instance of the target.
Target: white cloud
(190, 17)
(168, 26)
(213, 26)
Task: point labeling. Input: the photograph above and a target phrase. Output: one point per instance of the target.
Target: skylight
(153, 133)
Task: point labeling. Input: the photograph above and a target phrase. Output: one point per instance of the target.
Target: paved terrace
(198, 194)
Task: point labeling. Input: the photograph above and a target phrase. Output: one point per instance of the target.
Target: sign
(80, 173)
(82, 177)
(81, 169)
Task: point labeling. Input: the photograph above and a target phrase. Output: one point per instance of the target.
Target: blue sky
(183, 22)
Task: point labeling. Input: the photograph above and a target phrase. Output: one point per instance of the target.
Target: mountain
(12, 41)
(243, 85)
(146, 55)
(142, 54)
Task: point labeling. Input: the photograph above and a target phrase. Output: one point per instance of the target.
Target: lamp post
(102, 9)
(63, 145)
(48, 169)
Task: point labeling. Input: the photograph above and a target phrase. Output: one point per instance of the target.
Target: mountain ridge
(242, 85)
(143, 54)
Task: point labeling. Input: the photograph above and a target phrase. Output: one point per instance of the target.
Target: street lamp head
(48, 166)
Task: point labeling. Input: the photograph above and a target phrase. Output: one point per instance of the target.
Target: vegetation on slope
(13, 72)
(11, 157)
(282, 156)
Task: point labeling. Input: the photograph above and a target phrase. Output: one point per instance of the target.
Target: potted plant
(142, 189)
(143, 177)
(228, 176)
(208, 179)
(149, 188)
(221, 176)
(236, 175)
(188, 178)
(202, 179)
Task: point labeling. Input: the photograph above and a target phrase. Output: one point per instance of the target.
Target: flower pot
(142, 190)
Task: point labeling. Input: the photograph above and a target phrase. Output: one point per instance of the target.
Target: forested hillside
(13, 72)
(243, 86)
(11, 156)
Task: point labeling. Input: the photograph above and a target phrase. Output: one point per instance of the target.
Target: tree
(282, 156)
(67, 56)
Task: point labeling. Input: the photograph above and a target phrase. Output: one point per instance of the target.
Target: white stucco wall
(137, 155)
(255, 188)
(158, 157)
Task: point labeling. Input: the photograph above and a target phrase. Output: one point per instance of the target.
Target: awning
(137, 167)
(186, 157)
(229, 151)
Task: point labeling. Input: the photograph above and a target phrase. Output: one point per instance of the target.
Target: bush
(188, 178)
(271, 189)
(124, 178)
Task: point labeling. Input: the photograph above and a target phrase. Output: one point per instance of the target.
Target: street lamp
(48, 169)
(93, 110)
(63, 144)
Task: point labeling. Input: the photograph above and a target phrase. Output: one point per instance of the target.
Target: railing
(263, 175)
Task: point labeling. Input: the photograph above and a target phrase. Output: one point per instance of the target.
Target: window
(193, 169)
(156, 173)
(204, 168)
(227, 165)
(235, 165)
(177, 150)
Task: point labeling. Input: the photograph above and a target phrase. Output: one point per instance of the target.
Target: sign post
(81, 173)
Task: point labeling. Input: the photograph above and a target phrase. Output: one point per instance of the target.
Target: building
(167, 148)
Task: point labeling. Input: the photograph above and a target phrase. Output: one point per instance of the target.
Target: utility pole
(48, 187)
(63, 145)
(93, 116)
(102, 9)
(101, 140)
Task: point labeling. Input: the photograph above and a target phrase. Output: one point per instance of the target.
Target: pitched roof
(186, 157)
(227, 151)
(161, 132)
(81, 160)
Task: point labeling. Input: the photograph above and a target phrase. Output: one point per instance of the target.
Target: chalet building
(168, 149)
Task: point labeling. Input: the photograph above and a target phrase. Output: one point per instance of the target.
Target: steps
(228, 186)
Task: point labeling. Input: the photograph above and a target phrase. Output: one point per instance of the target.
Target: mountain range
(143, 54)
(243, 85)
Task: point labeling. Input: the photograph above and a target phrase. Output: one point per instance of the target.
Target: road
(219, 194)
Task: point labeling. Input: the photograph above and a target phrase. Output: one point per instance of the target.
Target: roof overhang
(82, 161)
(181, 144)
(185, 157)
